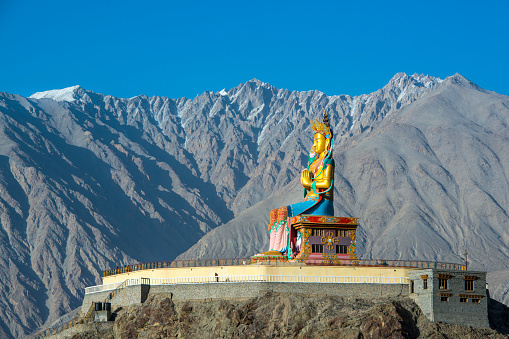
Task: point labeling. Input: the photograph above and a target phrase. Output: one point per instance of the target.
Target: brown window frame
(342, 249)
(443, 281)
(316, 248)
(424, 282)
(469, 282)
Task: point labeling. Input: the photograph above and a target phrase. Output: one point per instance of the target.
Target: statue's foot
(272, 253)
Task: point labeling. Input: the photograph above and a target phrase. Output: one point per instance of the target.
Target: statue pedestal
(319, 239)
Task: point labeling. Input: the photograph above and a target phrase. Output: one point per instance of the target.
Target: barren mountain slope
(74, 202)
(90, 181)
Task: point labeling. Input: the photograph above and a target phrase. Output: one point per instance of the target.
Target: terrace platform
(263, 272)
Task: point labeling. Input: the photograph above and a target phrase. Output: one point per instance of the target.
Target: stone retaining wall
(137, 294)
(130, 295)
(254, 289)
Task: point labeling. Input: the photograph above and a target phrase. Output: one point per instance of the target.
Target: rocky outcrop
(282, 316)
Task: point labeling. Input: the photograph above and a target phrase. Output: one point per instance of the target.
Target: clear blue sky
(182, 48)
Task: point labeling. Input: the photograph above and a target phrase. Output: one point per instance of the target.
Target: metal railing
(260, 278)
(100, 288)
(280, 278)
(247, 261)
(177, 263)
(116, 286)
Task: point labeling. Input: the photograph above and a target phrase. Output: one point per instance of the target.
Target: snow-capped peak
(223, 92)
(65, 94)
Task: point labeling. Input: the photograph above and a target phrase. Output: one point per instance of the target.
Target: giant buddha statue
(318, 183)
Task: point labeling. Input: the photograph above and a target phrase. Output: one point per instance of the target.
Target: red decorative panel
(321, 219)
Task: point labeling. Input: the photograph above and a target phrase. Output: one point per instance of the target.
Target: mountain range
(90, 181)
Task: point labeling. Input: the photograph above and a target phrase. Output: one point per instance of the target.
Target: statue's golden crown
(322, 128)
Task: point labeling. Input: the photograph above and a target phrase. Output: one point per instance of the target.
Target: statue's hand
(306, 179)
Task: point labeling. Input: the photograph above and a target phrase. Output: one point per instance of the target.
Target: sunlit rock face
(90, 181)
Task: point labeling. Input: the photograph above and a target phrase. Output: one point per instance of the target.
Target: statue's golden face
(319, 144)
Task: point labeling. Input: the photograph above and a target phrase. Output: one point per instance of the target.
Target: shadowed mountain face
(89, 181)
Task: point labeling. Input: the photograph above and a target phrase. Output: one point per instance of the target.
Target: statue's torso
(320, 172)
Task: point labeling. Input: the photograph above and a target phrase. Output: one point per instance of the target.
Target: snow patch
(223, 92)
(260, 137)
(286, 138)
(216, 108)
(402, 94)
(368, 100)
(65, 94)
(400, 83)
(255, 111)
(353, 106)
(181, 111)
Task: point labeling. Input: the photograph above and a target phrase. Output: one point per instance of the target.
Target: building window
(424, 282)
(411, 286)
(463, 300)
(469, 282)
(342, 249)
(443, 281)
(444, 298)
(443, 284)
(317, 232)
(317, 248)
(476, 301)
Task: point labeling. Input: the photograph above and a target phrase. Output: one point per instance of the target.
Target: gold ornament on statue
(322, 128)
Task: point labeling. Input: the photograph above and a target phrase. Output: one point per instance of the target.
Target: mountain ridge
(99, 181)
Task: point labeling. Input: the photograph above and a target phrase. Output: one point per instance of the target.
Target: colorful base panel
(325, 239)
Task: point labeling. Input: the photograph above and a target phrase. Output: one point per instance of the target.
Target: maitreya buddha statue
(318, 183)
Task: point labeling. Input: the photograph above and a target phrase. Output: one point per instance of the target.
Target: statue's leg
(273, 244)
(285, 243)
(282, 233)
(272, 229)
(277, 237)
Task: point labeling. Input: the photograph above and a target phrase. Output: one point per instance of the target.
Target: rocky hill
(89, 181)
(284, 316)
